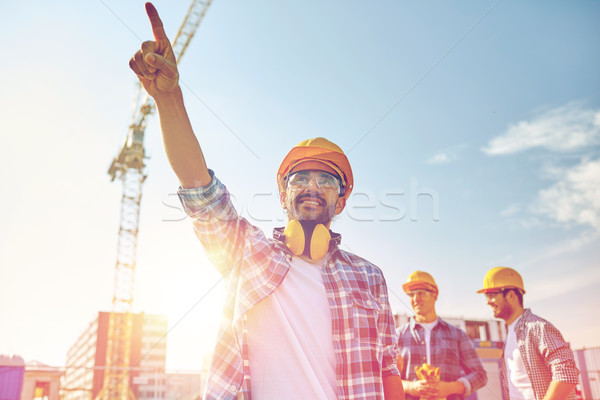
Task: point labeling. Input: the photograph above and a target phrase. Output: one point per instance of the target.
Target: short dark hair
(517, 292)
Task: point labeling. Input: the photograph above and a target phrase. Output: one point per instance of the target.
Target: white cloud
(565, 128)
(570, 245)
(447, 155)
(575, 198)
(440, 158)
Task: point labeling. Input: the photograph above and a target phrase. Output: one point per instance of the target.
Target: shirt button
(369, 302)
(232, 388)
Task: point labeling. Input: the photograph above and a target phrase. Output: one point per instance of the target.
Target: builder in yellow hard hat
(537, 362)
(303, 319)
(428, 339)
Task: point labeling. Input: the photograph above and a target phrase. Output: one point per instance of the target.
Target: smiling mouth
(311, 201)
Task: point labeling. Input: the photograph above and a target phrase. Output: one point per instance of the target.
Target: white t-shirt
(290, 343)
(519, 385)
(428, 327)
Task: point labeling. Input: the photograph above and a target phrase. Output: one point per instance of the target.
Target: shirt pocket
(365, 315)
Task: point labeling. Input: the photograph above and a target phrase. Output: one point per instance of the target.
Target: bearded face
(499, 304)
(311, 196)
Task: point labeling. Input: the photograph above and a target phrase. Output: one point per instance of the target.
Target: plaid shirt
(546, 355)
(451, 350)
(254, 266)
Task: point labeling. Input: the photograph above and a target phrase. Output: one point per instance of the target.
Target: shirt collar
(440, 322)
(520, 321)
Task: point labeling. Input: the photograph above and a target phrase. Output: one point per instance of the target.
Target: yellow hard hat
(420, 280)
(317, 153)
(499, 278)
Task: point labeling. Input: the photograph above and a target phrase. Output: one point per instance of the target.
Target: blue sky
(473, 130)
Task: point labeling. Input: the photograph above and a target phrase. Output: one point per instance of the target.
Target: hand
(155, 63)
(421, 388)
(434, 389)
(440, 389)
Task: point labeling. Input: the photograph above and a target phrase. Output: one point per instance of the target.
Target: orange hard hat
(499, 278)
(420, 280)
(321, 154)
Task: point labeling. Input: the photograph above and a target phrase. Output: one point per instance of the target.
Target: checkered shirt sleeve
(216, 223)
(546, 355)
(243, 255)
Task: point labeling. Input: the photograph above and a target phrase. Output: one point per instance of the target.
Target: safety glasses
(493, 295)
(323, 180)
(419, 293)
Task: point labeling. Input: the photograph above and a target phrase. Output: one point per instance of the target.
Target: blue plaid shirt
(254, 266)
(451, 350)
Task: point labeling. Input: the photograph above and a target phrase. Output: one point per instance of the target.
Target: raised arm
(156, 67)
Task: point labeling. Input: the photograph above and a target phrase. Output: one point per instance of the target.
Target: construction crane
(129, 167)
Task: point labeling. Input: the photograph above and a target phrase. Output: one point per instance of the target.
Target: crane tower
(129, 167)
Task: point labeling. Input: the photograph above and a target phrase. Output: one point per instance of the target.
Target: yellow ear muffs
(294, 237)
(307, 238)
(319, 242)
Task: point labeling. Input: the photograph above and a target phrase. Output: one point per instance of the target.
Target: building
(28, 381)
(41, 382)
(12, 371)
(185, 386)
(588, 361)
(86, 359)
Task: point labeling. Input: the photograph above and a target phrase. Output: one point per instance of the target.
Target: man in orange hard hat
(537, 362)
(428, 339)
(303, 319)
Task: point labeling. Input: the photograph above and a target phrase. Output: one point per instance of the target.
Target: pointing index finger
(157, 26)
